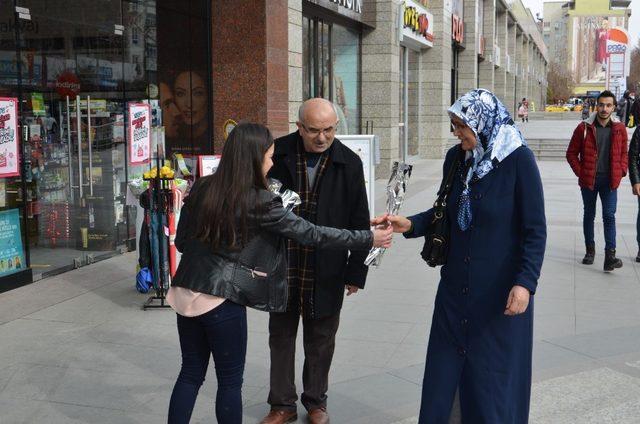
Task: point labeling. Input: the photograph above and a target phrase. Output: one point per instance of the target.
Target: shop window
(331, 68)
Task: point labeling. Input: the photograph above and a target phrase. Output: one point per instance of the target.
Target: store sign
(9, 137)
(355, 5)
(139, 133)
(416, 25)
(11, 251)
(457, 29)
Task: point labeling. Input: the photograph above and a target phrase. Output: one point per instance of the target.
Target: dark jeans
(319, 340)
(609, 200)
(223, 333)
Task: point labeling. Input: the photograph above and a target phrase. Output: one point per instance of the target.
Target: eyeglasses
(314, 132)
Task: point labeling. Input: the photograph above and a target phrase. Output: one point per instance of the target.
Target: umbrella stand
(161, 204)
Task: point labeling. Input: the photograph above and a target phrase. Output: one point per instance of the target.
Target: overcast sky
(634, 25)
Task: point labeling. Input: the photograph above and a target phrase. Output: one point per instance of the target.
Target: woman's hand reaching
(400, 224)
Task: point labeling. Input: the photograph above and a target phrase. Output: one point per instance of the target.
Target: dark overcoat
(473, 346)
(342, 203)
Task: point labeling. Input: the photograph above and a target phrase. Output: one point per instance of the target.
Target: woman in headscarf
(482, 329)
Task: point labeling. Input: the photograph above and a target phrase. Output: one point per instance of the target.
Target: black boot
(591, 253)
(610, 260)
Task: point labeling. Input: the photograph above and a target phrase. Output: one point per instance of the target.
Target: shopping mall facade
(71, 70)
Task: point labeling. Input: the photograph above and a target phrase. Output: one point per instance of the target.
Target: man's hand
(518, 301)
(399, 223)
(636, 189)
(351, 289)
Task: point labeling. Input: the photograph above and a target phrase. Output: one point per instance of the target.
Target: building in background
(416, 58)
(590, 38)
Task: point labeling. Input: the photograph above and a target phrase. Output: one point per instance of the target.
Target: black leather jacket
(256, 276)
(634, 157)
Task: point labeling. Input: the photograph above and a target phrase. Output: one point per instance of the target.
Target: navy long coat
(473, 346)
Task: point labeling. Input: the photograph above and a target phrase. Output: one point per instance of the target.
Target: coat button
(464, 322)
(465, 290)
(462, 351)
(467, 259)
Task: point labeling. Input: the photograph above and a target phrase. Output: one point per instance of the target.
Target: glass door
(73, 118)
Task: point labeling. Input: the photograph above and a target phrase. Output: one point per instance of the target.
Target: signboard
(9, 137)
(416, 25)
(139, 133)
(11, 252)
(208, 164)
(457, 21)
(363, 146)
(352, 9)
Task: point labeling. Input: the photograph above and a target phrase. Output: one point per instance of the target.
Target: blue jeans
(221, 332)
(609, 200)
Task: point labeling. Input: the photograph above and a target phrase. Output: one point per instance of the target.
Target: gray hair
(303, 106)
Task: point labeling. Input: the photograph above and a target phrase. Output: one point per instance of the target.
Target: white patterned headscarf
(497, 138)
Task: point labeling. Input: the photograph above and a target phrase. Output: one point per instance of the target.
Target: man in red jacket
(597, 154)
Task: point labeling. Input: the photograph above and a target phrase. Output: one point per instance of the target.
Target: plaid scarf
(301, 269)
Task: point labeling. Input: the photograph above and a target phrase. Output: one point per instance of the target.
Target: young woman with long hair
(232, 234)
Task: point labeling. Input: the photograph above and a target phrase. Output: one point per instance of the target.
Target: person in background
(523, 110)
(597, 154)
(481, 338)
(232, 233)
(330, 180)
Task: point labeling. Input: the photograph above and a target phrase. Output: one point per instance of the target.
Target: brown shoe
(279, 416)
(319, 416)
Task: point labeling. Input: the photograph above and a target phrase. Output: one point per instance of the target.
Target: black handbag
(436, 239)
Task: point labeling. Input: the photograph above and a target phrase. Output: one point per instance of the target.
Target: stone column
(436, 86)
(487, 66)
(380, 81)
(518, 64)
(510, 97)
(524, 80)
(253, 63)
(500, 78)
(468, 58)
(295, 61)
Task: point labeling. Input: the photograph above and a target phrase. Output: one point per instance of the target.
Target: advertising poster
(590, 56)
(9, 137)
(363, 146)
(139, 133)
(11, 252)
(208, 164)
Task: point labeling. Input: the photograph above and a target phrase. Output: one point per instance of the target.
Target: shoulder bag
(436, 241)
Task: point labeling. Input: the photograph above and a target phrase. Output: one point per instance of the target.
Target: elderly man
(330, 180)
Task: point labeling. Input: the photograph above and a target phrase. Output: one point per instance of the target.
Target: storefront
(331, 56)
(416, 37)
(72, 69)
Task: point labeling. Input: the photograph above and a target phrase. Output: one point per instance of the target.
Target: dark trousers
(221, 332)
(319, 340)
(609, 199)
(638, 222)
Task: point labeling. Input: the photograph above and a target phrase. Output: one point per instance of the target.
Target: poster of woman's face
(182, 69)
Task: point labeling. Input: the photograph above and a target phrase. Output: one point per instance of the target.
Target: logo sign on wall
(139, 133)
(11, 252)
(457, 21)
(416, 26)
(9, 137)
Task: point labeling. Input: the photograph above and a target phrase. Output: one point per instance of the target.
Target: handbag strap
(447, 182)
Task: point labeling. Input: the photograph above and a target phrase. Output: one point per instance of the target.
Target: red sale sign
(139, 133)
